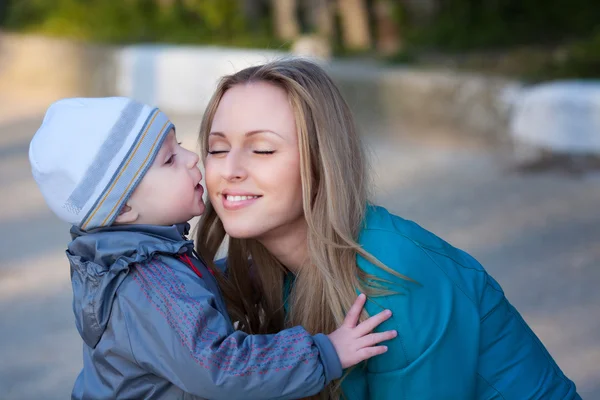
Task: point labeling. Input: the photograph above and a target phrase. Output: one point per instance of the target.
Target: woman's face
(253, 165)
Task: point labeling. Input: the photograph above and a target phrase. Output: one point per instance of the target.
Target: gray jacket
(153, 328)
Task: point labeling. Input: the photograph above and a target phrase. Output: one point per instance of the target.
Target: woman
(287, 182)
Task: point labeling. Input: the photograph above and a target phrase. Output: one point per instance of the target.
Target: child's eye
(264, 151)
(170, 160)
(217, 151)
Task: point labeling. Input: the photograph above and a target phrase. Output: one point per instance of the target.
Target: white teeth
(240, 198)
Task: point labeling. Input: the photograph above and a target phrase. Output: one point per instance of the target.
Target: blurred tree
(472, 24)
(423, 12)
(285, 19)
(320, 16)
(386, 18)
(254, 11)
(220, 16)
(354, 20)
(354, 25)
(4, 5)
(165, 4)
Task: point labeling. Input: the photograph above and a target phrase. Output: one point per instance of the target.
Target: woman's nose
(234, 168)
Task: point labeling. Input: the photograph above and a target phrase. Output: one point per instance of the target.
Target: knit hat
(89, 155)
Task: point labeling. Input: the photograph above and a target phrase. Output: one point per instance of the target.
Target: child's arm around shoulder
(176, 332)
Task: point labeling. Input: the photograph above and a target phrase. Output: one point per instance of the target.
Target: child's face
(170, 192)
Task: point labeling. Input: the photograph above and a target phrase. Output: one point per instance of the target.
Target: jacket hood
(100, 260)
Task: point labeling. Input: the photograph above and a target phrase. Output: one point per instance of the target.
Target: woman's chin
(238, 232)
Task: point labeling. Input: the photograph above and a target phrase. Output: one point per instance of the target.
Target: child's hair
(333, 171)
(89, 155)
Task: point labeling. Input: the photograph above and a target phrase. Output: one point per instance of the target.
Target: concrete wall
(54, 68)
(468, 105)
(182, 78)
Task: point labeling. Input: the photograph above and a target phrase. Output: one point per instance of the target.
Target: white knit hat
(89, 155)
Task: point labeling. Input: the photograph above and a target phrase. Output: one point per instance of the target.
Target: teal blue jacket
(458, 336)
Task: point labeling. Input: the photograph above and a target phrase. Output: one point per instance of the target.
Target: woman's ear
(127, 215)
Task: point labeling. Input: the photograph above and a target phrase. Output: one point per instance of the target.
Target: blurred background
(481, 117)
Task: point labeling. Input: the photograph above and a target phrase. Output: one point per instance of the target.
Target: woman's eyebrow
(247, 134)
(256, 131)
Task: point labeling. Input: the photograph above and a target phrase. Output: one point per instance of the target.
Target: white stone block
(561, 117)
(180, 78)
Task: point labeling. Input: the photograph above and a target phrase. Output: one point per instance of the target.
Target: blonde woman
(287, 182)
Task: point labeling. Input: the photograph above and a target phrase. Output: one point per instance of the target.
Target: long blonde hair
(333, 171)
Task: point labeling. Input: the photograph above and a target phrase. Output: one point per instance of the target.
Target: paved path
(538, 234)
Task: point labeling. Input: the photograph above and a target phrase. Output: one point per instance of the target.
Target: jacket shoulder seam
(539, 344)
(491, 386)
(427, 250)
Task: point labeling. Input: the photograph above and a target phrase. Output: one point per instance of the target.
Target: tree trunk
(387, 30)
(423, 11)
(355, 24)
(320, 15)
(4, 5)
(252, 10)
(285, 19)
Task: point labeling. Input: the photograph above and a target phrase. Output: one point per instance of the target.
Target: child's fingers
(368, 352)
(367, 326)
(375, 338)
(354, 313)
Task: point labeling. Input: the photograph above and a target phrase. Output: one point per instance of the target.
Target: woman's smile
(234, 201)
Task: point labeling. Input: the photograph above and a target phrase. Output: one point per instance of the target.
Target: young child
(152, 319)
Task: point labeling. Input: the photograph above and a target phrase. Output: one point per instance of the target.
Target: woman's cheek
(209, 177)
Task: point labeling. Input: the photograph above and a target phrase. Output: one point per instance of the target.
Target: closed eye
(217, 151)
(264, 152)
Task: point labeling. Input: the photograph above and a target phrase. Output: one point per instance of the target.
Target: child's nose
(193, 159)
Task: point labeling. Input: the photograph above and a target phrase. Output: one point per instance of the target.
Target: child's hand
(353, 343)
